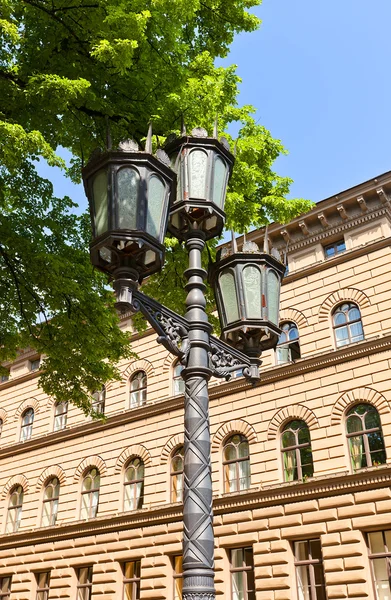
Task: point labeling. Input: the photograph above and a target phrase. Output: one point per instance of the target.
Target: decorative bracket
(172, 330)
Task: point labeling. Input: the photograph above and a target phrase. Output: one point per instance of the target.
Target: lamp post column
(198, 538)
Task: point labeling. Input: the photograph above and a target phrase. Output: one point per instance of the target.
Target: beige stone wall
(336, 505)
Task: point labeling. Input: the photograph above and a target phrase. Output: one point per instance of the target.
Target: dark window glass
(84, 583)
(50, 502)
(236, 464)
(365, 437)
(14, 513)
(178, 576)
(99, 400)
(242, 574)
(347, 324)
(177, 460)
(132, 576)
(1, 426)
(138, 389)
(134, 485)
(296, 451)
(334, 249)
(288, 347)
(379, 543)
(60, 416)
(4, 378)
(5, 587)
(43, 583)
(26, 429)
(309, 570)
(90, 495)
(34, 364)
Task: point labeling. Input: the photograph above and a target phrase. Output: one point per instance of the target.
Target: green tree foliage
(69, 71)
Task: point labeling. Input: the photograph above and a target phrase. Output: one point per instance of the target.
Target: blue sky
(319, 75)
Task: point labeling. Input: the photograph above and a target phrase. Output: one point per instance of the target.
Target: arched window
(14, 513)
(296, 451)
(60, 416)
(347, 324)
(178, 385)
(236, 464)
(99, 400)
(26, 429)
(134, 484)
(50, 502)
(1, 426)
(365, 437)
(288, 347)
(90, 494)
(138, 389)
(177, 460)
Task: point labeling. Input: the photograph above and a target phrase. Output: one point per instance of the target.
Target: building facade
(301, 462)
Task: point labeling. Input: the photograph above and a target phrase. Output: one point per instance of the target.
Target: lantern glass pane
(100, 202)
(228, 293)
(156, 196)
(252, 292)
(220, 175)
(273, 295)
(128, 183)
(198, 165)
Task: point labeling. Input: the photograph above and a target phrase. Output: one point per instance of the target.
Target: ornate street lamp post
(133, 199)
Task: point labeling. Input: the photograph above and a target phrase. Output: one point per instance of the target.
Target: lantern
(247, 290)
(203, 166)
(129, 193)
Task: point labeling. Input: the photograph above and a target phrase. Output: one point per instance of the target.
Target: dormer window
(335, 248)
(34, 364)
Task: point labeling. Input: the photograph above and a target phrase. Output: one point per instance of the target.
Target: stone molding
(169, 362)
(344, 295)
(292, 314)
(132, 451)
(352, 397)
(169, 447)
(137, 365)
(289, 413)
(29, 403)
(230, 428)
(13, 482)
(3, 415)
(88, 463)
(49, 473)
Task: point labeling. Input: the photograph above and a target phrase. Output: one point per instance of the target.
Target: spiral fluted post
(198, 539)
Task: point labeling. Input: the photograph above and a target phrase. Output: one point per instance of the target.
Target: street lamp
(132, 201)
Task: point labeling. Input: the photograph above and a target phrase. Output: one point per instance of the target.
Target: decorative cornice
(279, 494)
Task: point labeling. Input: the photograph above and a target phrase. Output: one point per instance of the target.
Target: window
(134, 485)
(43, 583)
(288, 347)
(296, 451)
(3, 379)
(99, 400)
(5, 587)
(347, 324)
(309, 570)
(177, 460)
(178, 385)
(132, 575)
(334, 249)
(236, 464)
(14, 513)
(138, 389)
(84, 583)
(50, 502)
(379, 543)
(60, 416)
(35, 364)
(90, 495)
(26, 429)
(242, 574)
(1, 426)
(365, 438)
(177, 563)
